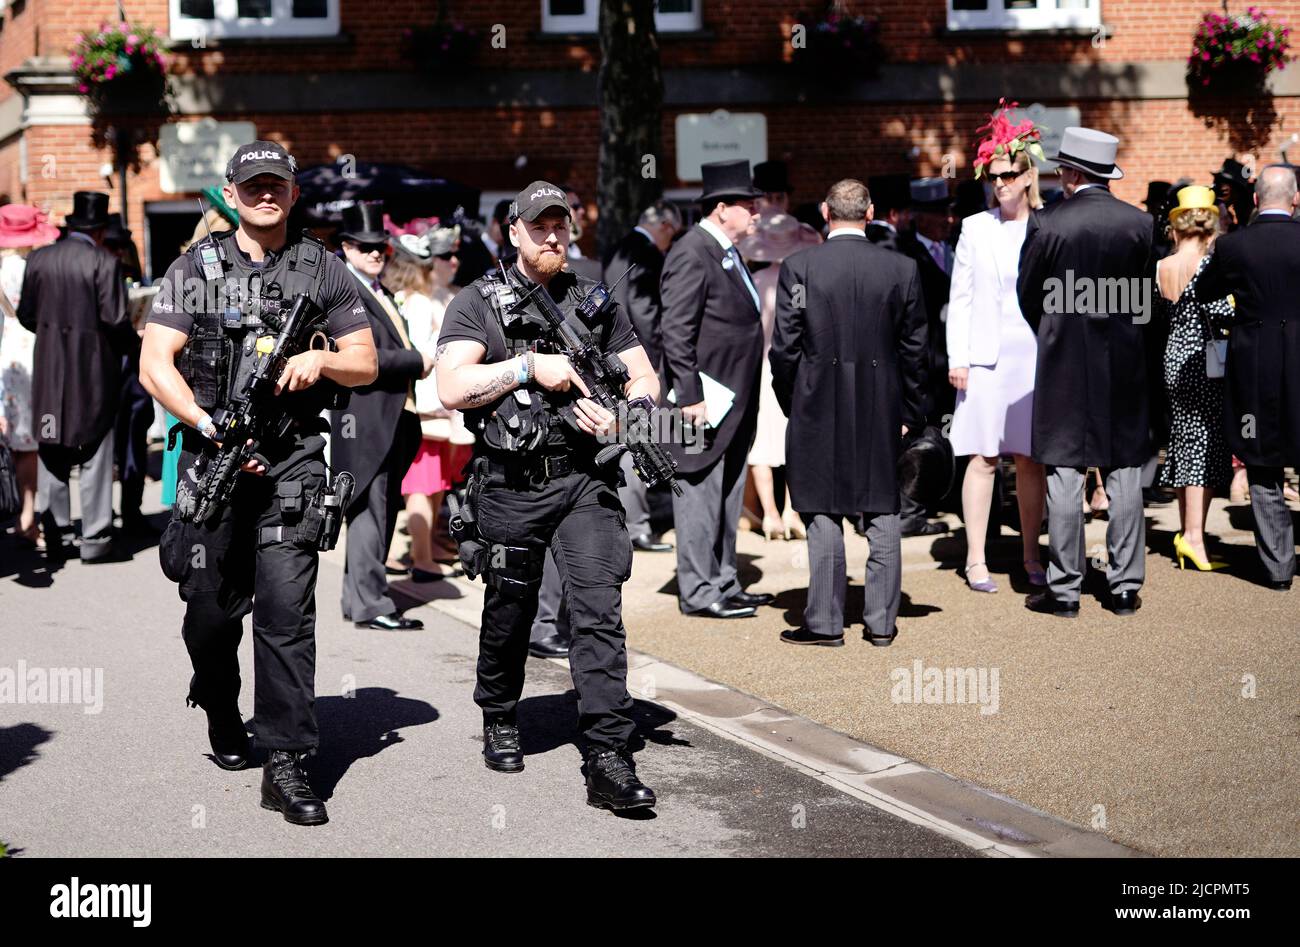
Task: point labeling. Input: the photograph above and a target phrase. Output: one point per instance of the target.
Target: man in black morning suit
(1082, 290)
(376, 437)
(927, 243)
(848, 367)
(711, 325)
(1259, 265)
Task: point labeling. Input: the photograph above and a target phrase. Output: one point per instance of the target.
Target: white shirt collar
(927, 242)
(886, 224)
(1275, 210)
(846, 230)
(82, 236)
(714, 231)
(1084, 187)
(366, 281)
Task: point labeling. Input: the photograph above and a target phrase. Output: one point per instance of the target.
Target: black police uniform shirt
(338, 298)
(466, 320)
(338, 292)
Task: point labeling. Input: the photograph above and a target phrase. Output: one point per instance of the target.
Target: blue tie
(749, 283)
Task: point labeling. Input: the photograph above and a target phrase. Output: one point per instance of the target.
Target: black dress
(1198, 454)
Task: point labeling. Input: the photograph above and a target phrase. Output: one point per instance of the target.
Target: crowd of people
(819, 349)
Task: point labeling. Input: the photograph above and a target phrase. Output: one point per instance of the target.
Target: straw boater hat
(1089, 151)
(775, 237)
(24, 226)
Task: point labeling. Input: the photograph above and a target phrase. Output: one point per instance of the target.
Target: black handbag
(10, 501)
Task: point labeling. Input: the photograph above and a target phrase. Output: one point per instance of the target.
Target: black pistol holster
(312, 521)
(514, 571)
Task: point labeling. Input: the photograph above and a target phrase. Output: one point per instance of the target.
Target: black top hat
(89, 211)
(363, 222)
(1233, 172)
(114, 231)
(723, 179)
(890, 192)
(927, 468)
(1157, 191)
(772, 177)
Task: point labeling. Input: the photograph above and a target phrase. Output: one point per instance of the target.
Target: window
(1023, 14)
(221, 19)
(579, 16)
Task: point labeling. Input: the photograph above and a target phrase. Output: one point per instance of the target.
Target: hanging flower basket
(444, 46)
(120, 70)
(1233, 53)
(838, 45)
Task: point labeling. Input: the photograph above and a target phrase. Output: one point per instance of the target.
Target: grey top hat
(929, 193)
(1090, 151)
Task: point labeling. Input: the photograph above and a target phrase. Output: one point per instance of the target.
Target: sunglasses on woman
(1006, 177)
(448, 256)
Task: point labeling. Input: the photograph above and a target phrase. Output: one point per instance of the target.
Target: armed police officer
(536, 483)
(220, 328)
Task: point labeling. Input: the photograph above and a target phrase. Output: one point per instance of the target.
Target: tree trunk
(631, 97)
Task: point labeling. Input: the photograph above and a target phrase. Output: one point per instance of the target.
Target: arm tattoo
(442, 350)
(486, 392)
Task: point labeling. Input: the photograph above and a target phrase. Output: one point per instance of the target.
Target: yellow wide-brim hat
(1192, 197)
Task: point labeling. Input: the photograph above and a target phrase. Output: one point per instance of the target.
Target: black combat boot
(228, 738)
(285, 790)
(501, 749)
(612, 783)
(226, 734)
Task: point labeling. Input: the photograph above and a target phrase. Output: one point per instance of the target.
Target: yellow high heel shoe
(1183, 549)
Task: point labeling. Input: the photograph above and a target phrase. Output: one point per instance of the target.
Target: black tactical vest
(520, 421)
(221, 351)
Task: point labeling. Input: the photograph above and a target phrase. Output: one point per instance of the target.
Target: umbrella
(406, 192)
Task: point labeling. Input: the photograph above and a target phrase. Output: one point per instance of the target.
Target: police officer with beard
(213, 316)
(535, 484)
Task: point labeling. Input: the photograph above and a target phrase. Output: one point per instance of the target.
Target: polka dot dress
(1198, 455)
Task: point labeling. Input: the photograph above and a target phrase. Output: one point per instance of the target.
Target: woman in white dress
(992, 352)
(21, 228)
(775, 236)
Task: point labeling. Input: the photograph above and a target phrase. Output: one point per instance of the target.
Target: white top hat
(1090, 151)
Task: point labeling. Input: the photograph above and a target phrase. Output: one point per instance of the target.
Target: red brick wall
(1162, 138)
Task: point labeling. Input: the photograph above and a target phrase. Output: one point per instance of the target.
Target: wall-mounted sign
(1054, 122)
(193, 155)
(719, 136)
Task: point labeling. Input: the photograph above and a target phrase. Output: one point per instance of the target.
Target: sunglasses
(448, 256)
(1006, 177)
(373, 247)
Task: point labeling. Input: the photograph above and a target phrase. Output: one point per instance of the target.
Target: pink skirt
(437, 465)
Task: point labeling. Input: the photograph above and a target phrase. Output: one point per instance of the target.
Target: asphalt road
(399, 763)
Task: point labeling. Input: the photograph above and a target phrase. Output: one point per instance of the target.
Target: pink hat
(776, 235)
(24, 226)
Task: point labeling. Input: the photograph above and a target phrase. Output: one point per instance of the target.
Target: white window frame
(998, 17)
(586, 22)
(227, 25)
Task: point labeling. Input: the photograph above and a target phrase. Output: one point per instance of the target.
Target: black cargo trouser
(579, 517)
(225, 572)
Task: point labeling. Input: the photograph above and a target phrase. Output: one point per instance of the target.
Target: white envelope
(718, 399)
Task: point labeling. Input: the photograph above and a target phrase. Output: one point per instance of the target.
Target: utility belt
(535, 469)
(515, 571)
